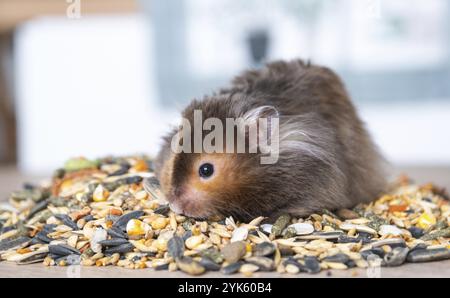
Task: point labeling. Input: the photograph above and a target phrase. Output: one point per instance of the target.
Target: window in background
(385, 50)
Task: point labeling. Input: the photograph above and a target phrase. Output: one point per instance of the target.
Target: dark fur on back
(327, 159)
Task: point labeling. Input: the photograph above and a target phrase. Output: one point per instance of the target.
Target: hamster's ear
(252, 116)
(263, 129)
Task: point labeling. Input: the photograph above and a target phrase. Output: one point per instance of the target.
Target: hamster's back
(300, 89)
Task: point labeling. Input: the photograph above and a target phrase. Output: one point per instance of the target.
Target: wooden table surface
(10, 179)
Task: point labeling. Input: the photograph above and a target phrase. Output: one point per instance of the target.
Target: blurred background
(99, 77)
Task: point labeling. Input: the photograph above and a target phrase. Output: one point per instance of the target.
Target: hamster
(326, 159)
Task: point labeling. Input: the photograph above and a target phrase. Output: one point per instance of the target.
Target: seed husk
(322, 235)
(239, 234)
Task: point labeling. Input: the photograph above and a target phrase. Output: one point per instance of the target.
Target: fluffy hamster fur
(326, 157)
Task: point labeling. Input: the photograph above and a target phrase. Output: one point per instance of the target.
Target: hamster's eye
(206, 170)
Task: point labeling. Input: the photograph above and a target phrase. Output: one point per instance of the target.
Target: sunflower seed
(264, 264)
(121, 223)
(337, 258)
(263, 249)
(188, 265)
(232, 268)
(113, 242)
(428, 255)
(32, 259)
(123, 248)
(8, 244)
(62, 250)
(176, 247)
(116, 233)
(209, 264)
(67, 221)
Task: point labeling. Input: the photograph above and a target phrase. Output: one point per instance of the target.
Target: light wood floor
(10, 179)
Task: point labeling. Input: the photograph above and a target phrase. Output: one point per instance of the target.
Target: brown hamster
(326, 157)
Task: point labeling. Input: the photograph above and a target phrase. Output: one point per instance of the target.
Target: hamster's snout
(188, 202)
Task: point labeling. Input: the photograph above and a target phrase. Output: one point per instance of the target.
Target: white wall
(85, 87)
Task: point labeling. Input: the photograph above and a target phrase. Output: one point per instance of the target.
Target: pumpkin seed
(280, 224)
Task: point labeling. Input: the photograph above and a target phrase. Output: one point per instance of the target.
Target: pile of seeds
(111, 212)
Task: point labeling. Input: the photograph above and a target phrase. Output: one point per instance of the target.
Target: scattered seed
(188, 265)
(347, 214)
(396, 257)
(436, 234)
(264, 249)
(264, 263)
(302, 228)
(124, 219)
(62, 250)
(428, 255)
(209, 264)
(123, 248)
(232, 268)
(239, 234)
(280, 224)
(89, 212)
(113, 242)
(175, 247)
(312, 265)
